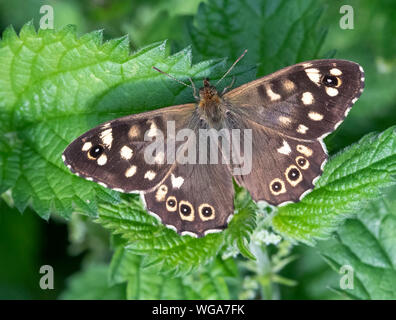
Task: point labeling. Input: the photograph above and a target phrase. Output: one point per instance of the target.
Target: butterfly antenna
(172, 77)
(232, 67)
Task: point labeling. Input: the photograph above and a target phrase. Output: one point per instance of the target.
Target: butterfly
(283, 117)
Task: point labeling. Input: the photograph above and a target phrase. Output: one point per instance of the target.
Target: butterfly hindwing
(283, 169)
(194, 199)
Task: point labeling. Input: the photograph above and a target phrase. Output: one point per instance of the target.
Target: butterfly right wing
(305, 101)
(289, 113)
(127, 164)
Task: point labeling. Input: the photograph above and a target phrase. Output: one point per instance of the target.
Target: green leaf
(367, 244)
(351, 178)
(243, 223)
(146, 283)
(92, 284)
(55, 86)
(161, 246)
(276, 33)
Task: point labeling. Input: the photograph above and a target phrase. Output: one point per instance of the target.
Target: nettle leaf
(276, 33)
(91, 284)
(365, 246)
(55, 86)
(147, 283)
(351, 178)
(163, 247)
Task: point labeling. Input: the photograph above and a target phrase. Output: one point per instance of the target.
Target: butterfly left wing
(117, 153)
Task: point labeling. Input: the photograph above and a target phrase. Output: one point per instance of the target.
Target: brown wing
(289, 113)
(197, 196)
(306, 101)
(122, 165)
(194, 199)
(281, 169)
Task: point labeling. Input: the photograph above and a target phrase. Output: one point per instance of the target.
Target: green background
(28, 242)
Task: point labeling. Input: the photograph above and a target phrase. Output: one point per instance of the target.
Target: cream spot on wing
(203, 211)
(171, 200)
(315, 116)
(302, 162)
(102, 160)
(273, 96)
(106, 125)
(134, 132)
(102, 184)
(285, 149)
(161, 193)
(176, 182)
(284, 120)
(354, 100)
(335, 72)
(313, 74)
(288, 85)
(304, 150)
(307, 98)
(86, 146)
(126, 153)
(107, 137)
(130, 171)
(185, 215)
(307, 64)
(150, 175)
(302, 129)
(277, 186)
(332, 92)
(152, 132)
(290, 179)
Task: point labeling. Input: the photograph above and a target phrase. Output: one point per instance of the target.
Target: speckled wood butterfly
(288, 114)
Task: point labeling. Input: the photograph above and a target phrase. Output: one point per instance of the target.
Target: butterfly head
(209, 97)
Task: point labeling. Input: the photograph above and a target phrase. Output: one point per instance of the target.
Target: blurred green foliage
(27, 242)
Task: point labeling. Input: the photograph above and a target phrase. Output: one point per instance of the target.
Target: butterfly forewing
(305, 101)
(124, 163)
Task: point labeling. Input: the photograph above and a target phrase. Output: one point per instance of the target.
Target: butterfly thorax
(211, 105)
